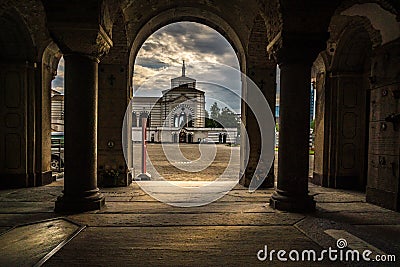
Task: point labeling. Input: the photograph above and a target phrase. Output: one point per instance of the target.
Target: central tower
(183, 80)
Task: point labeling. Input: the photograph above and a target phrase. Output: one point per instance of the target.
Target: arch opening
(186, 98)
(175, 15)
(342, 111)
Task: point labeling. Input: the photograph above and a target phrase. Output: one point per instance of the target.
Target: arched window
(176, 121)
(182, 119)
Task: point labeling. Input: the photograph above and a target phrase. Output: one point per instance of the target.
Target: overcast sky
(209, 57)
(58, 82)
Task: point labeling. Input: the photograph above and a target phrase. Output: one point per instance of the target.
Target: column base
(143, 177)
(296, 203)
(87, 201)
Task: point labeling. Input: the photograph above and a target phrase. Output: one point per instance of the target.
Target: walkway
(136, 230)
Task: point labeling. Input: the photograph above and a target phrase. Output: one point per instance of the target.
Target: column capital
(91, 41)
(297, 48)
(80, 27)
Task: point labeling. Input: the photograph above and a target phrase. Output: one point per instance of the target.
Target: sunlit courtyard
(190, 162)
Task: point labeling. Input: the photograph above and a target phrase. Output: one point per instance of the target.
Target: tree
(210, 123)
(228, 118)
(221, 118)
(214, 111)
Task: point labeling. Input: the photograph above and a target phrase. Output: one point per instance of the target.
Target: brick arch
(388, 5)
(272, 15)
(258, 41)
(375, 23)
(353, 50)
(186, 14)
(32, 15)
(119, 53)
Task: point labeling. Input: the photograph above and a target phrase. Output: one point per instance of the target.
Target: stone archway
(182, 137)
(17, 100)
(189, 14)
(50, 61)
(190, 138)
(250, 46)
(355, 80)
(343, 108)
(350, 86)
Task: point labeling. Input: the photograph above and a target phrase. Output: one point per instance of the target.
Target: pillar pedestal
(87, 201)
(80, 146)
(294, 203)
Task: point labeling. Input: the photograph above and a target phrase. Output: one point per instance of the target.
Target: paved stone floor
(136, 230)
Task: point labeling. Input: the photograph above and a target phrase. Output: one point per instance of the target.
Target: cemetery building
(57, 111)
(177, 116)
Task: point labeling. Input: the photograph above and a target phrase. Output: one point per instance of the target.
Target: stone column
(83, 45)
(292, 189)
(80, 177)
(295, 56)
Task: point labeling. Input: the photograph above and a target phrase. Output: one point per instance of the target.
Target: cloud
(58, 82)
(151, 63)
(210, 59)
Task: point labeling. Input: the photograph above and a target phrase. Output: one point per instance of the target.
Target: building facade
(57, 111)
(177, 116)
